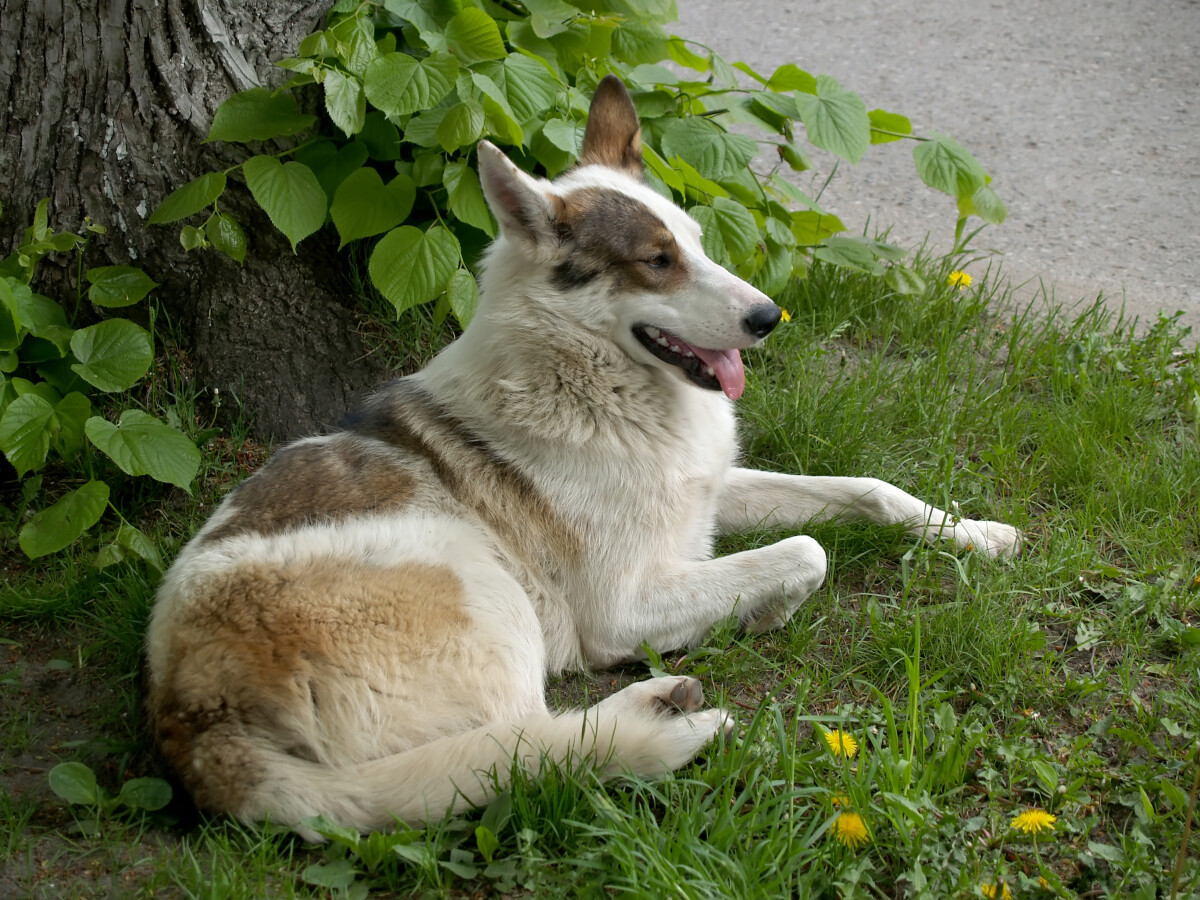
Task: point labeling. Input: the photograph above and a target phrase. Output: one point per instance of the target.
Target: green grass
(1067, 679)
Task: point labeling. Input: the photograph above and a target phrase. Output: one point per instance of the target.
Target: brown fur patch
(618, 236)
(613, 136)
(252, 655)
(315, 483)
(404, 415)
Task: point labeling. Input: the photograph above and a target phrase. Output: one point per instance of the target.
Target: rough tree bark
(104, 105)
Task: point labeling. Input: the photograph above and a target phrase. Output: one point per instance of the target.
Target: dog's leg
(767, 499)
(677, 609)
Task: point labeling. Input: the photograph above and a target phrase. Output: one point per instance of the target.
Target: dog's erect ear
(614, 135)
(528, 215)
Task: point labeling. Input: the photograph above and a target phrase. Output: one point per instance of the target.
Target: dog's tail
(454, 773)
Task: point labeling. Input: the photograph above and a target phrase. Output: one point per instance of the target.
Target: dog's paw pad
(686, 696)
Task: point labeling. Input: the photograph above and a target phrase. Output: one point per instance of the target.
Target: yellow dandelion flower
(850, 830)
(785, 315)
(996, 891)
(840, 743)
(959, 279)
(1034, 821)
(839, 800)
(1043, 883)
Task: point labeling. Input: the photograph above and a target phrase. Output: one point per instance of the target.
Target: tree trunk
(104, 105)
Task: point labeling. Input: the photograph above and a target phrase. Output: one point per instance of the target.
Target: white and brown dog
(363, 628)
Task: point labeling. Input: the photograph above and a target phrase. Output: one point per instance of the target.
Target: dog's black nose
(761, 320)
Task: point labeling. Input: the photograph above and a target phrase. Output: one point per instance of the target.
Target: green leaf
(75, 783)
(289, 193)
(363, 206)
(147, 794)
(904, 280)
(224, 233)
(882, 121)
(530, 86)
(463, 293)
(345, 102)
(54, 528)
(257, 115)
(775, 270)
(336, 876)
(944, 164)
(116, 286)
(410, 266)
(811, 227)
(550, 17)
(333, 167)
(66, 425)
(851, 253)
(640, 42)
(710, 148)
(381, 138)
(189, 199)
(736, 226)
(462, 125)
(142, 445)
(985, 204)
(129, 540)
(473, 36)
(25, 432)
(565, 134)
(112, 354)
(836, 119)
(191, 237)
(400, 85)
(466, 196)
(790, 77)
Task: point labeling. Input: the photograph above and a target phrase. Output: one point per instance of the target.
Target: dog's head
(610, 253)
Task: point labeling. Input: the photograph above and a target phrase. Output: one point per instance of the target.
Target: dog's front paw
(993, 538)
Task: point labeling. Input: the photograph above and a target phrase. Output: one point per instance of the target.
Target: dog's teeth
(652, 333)
(662, 341)
(709, 370)
(690, 354)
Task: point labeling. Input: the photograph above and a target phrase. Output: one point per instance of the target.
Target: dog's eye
(660, 261)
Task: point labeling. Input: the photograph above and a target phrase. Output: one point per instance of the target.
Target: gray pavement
(1086, 114)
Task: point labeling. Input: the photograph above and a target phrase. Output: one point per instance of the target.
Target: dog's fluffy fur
(363, 628)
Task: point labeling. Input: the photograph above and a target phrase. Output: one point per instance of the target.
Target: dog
(363, 628)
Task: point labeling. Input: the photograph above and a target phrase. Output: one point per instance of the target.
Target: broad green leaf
(338, 875)
(790, 77)
(191, 237)
(650, 75)
(530, 86)
(887, 127)
(499, 117)
(112, 354)
(363, 206)
(191, 198)
(711, 239)
(137, 543)
(463, 293)
(851, 253)
(796, 158)
(39, 314)
(904, 280)
(142, 445)
(811, 227)
(706, 145)
(695, 181)
(640, 42)
(409, 266)
(736, 225)
(116, 286)
(466, 196)
(550, 17)
(380, 137)
(290, 194)
(985, 204)
(473, 36)
(461, 125)
(775, 270)
(836, 119)
(345, 102)
(224, 233)
(257, 115)
(147, 794)
(428, 168)
(681, 54)
(564, 134)
(332, 166)
(25, 432)
(400, 85)
(66, 425)
(61, 524)
(723, 72)
(666, 173)
(75, 783)
(946, 165)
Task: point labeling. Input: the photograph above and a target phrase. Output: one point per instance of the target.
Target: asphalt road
(1086, 113)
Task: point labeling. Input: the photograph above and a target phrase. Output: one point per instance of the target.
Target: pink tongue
(727, 366)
